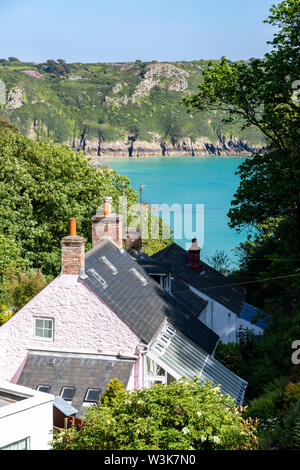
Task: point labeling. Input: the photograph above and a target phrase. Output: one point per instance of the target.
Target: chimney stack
(194, 256)
(72, 251)
(107, 225)
(133, 240)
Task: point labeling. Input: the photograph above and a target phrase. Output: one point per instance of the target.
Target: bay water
(206, 185)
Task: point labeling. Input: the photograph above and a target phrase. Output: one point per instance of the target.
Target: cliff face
(185, 147)
(113, 109)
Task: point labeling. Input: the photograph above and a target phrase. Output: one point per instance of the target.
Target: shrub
(265, 406)
(115, 391)
(180, 416)
(291, 394)
(290, 432)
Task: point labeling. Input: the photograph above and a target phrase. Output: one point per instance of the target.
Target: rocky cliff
(98, 149)
(114, 109)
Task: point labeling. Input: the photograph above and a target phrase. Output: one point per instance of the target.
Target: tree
(9, 258)
(180, 416)
(262, 94)
(6, 124)
(41, 186)
(20, 287)
(220, 261)
(115, 391)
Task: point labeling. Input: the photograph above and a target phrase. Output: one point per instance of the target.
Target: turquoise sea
(208, 181)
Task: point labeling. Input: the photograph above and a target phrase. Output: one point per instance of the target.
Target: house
(106, 316)
(74, 77)
(224, 308)
(26, 418)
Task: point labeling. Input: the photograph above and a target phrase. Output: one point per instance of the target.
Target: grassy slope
(62, 109)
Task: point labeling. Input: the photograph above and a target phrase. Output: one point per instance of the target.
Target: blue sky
(126, 30)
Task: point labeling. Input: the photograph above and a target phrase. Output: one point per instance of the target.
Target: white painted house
(26, 418)
(224, 308)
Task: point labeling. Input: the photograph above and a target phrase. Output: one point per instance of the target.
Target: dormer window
(43, 329)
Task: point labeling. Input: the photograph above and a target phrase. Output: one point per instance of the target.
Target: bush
(229, 355)
(115, 391)
(267, 404)
(291, 394)
(180, 416)
(290, 432)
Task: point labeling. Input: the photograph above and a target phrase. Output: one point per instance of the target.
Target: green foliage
(9, 258)
(115, 391)
(41, 186)
(265, 407)
(5, 313)
(180, 416)
(6, 124)
(262, 94)
(63, 110)
(220, 261)
(230, 356)
(290, 432)
(291, 393)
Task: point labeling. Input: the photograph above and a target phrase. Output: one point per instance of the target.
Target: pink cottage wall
(82, 323)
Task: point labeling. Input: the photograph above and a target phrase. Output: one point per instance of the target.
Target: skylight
(108, 264)
(92, 395)
(139, 276)
(44, 388)
(98, 278)
(67, 393)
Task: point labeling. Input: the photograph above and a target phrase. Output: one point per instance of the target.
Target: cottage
(224, 308)
(106, 316)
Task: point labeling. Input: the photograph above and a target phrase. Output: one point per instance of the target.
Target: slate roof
(150, 265)
(186, 298)
(144, 308)
(73, 370)
(212, 283)
(63, 406)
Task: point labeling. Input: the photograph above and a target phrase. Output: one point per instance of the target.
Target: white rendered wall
(83, 323)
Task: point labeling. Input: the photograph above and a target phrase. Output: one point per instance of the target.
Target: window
(164, 339)
(98, 278)
(23, 444)
(67, 393)
(92, 395)
(43, 328)
(44, 388)
(108, 264)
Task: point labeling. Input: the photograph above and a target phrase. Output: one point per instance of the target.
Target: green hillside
(111, 102)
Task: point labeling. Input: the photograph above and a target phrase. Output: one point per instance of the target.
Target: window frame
(42, 338)
(62, 389)
(86, 394)
(43, 385)
(26, 440)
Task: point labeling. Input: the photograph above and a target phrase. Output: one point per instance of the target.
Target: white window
(18, 445)
(164, 339)
(43, 328)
